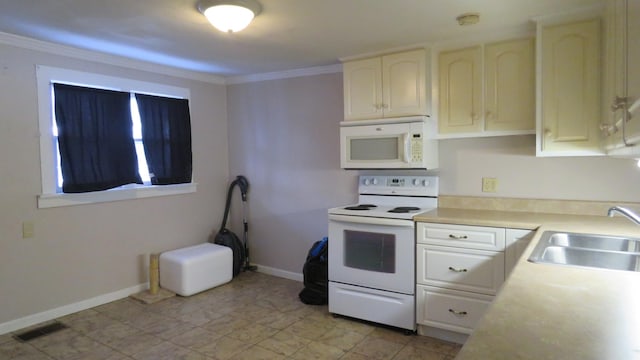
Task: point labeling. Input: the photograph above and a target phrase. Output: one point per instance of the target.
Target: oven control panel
(398, 185)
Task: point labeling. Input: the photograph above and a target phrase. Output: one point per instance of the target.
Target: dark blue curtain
(166, 135)
(95, 136)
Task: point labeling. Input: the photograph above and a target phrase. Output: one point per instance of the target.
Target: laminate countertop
(549, 311)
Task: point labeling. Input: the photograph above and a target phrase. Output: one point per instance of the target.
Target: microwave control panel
(416, 148)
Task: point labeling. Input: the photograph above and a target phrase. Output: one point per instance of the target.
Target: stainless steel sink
(595, 242)
(588, 250)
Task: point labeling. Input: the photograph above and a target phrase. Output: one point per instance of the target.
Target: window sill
(122, 193)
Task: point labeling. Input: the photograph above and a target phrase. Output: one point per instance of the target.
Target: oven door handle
(371, 220)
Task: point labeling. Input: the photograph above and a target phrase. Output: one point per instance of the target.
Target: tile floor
(255, 316)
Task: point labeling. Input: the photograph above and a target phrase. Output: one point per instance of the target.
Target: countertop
(554, 312)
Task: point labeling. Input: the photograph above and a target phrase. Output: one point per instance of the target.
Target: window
(166, 96)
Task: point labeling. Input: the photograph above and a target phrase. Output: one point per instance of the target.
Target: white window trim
(49, 197)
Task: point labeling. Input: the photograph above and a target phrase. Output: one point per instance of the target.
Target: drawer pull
(457, 270)
(458, 313)
(457, 237)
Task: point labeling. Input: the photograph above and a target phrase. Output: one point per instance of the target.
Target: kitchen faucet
(626, 212)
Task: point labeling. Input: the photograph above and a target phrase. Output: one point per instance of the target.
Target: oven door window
(370, 251)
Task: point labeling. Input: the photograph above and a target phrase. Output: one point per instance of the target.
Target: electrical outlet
(27, 230)
(489, 184)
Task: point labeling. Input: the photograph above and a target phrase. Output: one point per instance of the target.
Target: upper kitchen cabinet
(388, 86)
(622, 78)
(509, 86)
(499, 103)
(569, 89)
(459, 108)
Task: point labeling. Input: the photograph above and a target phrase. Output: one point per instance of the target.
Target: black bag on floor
(316, 275)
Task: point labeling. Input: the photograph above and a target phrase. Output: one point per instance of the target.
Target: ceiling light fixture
(229, 15)
(468, 19)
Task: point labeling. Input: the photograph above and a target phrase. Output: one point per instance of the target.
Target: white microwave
(404, 145)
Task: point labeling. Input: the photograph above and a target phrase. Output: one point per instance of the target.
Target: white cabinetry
(499, 103)
(459, 269)
(569, 94)
(622, 78)
(460, 107)
(389, 86)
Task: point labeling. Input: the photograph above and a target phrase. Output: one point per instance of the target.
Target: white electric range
(372, 249)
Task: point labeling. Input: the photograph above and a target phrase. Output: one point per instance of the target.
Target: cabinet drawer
(471, 237)
(449, 309)
(469, 270)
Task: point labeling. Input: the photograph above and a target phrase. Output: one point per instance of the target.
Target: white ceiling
(287, 35)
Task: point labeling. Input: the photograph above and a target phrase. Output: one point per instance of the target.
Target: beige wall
(283, 135)
(511, 159)
(85, 251)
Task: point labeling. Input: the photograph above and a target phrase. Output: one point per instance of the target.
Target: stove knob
(366, 182)
(416, 182)
(374, 181)
(425, 183)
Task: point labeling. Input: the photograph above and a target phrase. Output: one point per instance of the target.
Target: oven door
(372, 252)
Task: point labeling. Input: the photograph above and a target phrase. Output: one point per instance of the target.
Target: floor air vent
(40, 331)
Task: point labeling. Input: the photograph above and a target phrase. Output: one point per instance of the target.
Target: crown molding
(109, 59)
(318, 70)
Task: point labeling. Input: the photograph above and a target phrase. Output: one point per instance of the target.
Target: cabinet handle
(457, 270)
(619, 102)
(457, 237)
(459, 313)
(488, 115)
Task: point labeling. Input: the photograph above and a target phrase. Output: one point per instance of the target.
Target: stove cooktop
(379, 211)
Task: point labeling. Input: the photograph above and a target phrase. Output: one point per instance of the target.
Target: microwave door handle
(407, 148)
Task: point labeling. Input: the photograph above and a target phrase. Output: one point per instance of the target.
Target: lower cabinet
(448, 309)
(459, 269)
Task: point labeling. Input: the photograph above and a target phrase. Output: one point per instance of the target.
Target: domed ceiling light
(229, 15)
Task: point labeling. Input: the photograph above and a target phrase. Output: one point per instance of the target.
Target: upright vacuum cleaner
(227, 238)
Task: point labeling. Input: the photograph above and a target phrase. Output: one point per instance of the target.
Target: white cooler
(195, 268)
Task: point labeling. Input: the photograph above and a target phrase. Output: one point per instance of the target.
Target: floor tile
(195, 338)
(14, 350)
(414, 353)
(318, 351)
(341, 338)
(379, 349)
(168, 351)
(257, 353)
(223, 348)
(255, 316)
(284, 343)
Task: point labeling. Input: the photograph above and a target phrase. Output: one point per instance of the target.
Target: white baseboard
(280, 273)
(52, 314)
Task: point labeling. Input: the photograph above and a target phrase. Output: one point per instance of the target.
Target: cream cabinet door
(477, 271)
(510, 86)
(570, 81)
(632, 131)
(404, 89)
(452, 310)
(460, 104)
(614, 70)
(362, 80)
